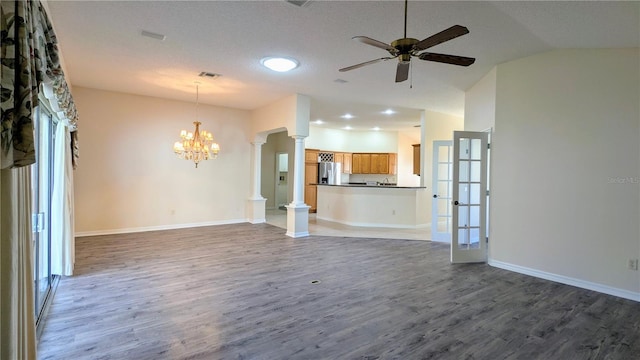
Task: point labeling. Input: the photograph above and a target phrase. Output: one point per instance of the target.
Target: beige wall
(129, 179)
(290, 113)
(406, 139)
(565, 167)
(480, 104)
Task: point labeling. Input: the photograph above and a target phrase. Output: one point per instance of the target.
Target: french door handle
(435, 196)
(456, 202)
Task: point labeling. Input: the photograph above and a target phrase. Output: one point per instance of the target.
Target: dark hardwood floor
(249, 292)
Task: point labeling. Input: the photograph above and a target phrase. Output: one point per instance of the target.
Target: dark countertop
(389, 186)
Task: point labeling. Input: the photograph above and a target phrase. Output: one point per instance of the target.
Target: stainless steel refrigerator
(329, 173)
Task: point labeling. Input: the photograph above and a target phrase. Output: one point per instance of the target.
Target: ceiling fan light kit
(405, 48)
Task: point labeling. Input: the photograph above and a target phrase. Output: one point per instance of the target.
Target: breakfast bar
(373, 205)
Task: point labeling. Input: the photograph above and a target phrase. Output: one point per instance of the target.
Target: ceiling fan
(405, 48)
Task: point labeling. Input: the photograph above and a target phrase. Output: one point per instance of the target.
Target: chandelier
(197, 145)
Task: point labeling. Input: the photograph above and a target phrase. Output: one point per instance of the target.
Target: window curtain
(17, 305)
(28, 58)
(29, 54)
(62, 237)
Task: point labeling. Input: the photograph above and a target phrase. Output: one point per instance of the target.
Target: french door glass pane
(443, 172)
(464, 148)
(476, 145)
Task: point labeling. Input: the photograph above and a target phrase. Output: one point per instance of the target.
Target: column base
(297, 220)
(255, 210)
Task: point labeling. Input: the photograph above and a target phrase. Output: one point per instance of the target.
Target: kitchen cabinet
(338, 158)
(311, 178)
(344, 159)
(416, 159)
(379, 163)
(311, 156)
(374, 163)
(361, 163)
(346, 163)
(310, 197)
(393, 163)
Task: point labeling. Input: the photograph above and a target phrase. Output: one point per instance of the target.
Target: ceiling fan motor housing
(404, 45)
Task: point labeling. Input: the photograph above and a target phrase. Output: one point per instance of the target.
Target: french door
(442, 183)
(469, 231)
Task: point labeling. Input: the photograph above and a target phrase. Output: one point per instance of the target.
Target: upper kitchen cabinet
(393, 164)
(344, 159)
(346, 163)
(374, 163)
(311, 155)
(361, 163)
(379, 163)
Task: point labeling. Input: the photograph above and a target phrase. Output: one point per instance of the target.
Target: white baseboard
(635, 296)
(298, 234)
(156, 228)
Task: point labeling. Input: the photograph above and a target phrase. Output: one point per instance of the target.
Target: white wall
(129, 179)
(566, 163)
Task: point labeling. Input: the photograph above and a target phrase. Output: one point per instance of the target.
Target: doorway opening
(282, 180)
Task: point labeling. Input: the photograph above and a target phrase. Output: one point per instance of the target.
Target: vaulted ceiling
(103, 48)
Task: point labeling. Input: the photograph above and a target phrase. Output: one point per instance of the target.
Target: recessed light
(279, 64)
(319, 122)
(376, 128)
(388, 112)
(347, 116)
(347, 127)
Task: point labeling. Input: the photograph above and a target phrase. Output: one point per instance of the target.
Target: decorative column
(256, 204)
(298, 211)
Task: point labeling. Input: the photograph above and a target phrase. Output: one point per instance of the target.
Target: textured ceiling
(103, 48)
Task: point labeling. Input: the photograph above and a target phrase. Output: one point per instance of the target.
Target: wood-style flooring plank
(245, 291)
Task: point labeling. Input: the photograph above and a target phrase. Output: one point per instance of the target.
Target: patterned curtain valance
(29, 57)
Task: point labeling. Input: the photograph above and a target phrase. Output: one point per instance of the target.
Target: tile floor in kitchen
(278, 218)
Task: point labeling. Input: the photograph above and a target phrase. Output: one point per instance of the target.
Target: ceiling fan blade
(376, 43)
(444, 35)
(364, 64)
(402, 72)
(447, 59)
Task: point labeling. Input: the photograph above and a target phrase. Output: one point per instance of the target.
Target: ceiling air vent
(153, 35)
(209, 75)
(299, 3)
